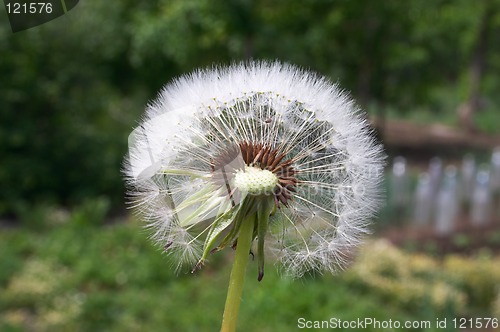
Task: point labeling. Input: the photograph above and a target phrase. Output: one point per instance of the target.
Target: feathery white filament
(199, 116)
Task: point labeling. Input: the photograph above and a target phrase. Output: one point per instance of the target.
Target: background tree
(71, 89)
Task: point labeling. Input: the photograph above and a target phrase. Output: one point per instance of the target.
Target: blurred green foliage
(72, 89)
(113, 279)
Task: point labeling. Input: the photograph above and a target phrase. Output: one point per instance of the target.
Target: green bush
(92, 212)
(112, 278)
(479, 278)
(407, 280)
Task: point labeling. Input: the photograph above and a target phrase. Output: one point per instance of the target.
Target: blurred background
(71, 91)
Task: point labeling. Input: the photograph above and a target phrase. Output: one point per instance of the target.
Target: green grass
(74, 278)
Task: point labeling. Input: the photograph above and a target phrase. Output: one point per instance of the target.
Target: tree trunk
(477, 67)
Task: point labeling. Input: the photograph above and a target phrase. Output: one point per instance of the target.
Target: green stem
(238, 274)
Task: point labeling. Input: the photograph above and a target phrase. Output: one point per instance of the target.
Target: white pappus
(256, 138)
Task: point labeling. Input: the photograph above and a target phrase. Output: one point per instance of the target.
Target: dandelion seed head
(214, 138)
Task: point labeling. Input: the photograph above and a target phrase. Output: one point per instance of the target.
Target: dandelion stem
(237, 278)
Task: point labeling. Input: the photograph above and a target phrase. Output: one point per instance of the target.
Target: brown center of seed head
(227, 163)
(265, 157)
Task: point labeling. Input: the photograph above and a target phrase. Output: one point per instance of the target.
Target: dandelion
(265, 158)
